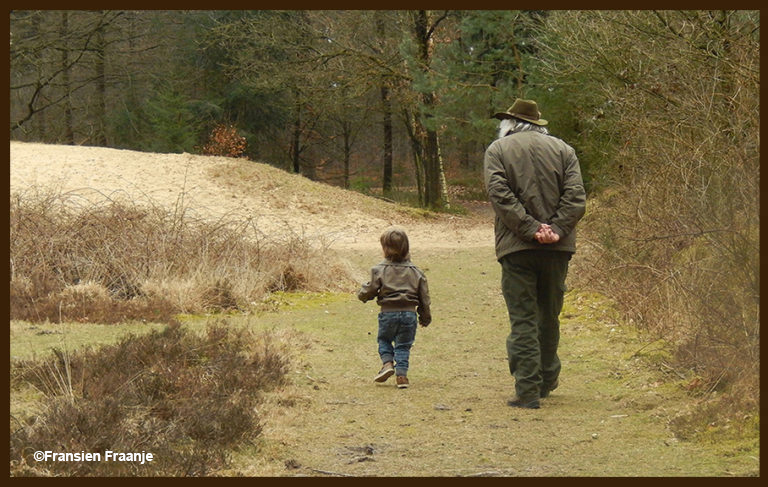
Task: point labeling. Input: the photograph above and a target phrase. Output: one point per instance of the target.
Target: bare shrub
(187, 398)
(675, 238)
(152, 262)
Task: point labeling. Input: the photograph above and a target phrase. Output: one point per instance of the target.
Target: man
(534, 184)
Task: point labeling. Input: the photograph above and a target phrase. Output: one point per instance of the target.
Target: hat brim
(507, 116)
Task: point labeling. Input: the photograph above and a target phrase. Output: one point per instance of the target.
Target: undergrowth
(118, 261)
(189, 399)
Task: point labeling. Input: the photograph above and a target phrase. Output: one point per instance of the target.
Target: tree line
(327, 94)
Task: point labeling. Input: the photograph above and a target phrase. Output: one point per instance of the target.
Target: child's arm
(425, 315)
(370, 289)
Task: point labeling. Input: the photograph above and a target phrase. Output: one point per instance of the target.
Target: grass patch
(37, 340)
(300, 300)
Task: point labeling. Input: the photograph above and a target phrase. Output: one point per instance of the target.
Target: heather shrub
(188, 398)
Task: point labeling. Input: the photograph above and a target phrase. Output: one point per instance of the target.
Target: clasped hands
(545, 234)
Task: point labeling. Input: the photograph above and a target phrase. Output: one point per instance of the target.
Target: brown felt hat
(526, 110)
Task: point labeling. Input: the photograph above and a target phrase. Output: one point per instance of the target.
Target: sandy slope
(216, 187)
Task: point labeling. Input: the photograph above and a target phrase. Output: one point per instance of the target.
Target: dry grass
(187, 398)
(678, 249)
(120, 261)
(675, 238)
(671, 132)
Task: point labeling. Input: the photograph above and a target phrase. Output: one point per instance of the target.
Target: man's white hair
(514, 125)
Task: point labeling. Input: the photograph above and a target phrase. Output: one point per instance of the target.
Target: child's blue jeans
(397, 331)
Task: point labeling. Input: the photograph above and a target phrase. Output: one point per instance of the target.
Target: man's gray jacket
(533, 178)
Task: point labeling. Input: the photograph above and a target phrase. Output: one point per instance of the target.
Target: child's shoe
(385, 373)
(402, 382)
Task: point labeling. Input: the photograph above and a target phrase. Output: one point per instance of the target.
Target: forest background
(661, 106)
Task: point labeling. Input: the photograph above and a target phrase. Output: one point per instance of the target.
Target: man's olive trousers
(533, 285)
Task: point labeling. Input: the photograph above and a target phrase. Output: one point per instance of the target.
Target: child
(401, 291)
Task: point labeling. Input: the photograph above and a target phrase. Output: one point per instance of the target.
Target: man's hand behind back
(545, 235)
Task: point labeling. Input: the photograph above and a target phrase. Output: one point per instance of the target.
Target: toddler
(400, 289)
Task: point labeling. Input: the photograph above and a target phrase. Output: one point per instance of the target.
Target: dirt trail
(609, 417)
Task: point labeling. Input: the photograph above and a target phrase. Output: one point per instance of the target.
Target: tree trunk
(39, 121)
(435, 193)
(386, 102)
(296, 144)
(101, 89)
(443, 183)
(347, 134)
(386, 109)
(69, 131)
(416, 134)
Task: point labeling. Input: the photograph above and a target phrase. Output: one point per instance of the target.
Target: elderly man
(534, 184)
